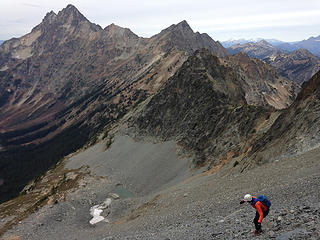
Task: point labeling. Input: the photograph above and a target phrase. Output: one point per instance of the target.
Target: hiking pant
(256, 219)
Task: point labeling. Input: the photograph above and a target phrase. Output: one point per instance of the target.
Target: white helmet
(248, 198)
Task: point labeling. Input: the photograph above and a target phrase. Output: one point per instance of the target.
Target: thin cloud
(270, 19)
(31, 5)
(146, 18)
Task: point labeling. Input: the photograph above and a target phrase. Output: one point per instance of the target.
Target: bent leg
(255, 221)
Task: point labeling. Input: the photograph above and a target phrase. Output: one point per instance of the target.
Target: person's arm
(242, 201)
(259, 209)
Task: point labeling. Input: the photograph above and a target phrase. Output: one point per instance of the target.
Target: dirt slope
(205, 206)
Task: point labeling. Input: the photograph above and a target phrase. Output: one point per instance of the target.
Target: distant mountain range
(232, 42)
(1, 41)
(312, 44)
(299, 65)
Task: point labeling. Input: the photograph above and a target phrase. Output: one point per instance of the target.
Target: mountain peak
(302, 52)
(70, 8)
(114, 29)
(241, 56)
(113, 26)
(181, 27)
(183, 24)
(264, 42)
(71, 12)
(50, 17)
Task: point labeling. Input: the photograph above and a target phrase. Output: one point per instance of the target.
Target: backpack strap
(254, 201)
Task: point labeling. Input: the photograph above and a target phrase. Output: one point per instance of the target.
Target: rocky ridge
(203, 107)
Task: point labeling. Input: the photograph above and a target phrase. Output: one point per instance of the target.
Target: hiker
(262, 205)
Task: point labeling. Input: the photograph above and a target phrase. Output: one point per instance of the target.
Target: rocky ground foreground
(194, 205)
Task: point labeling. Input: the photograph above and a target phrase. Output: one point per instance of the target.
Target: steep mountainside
(203, 107)
(296, 130)
(299, 66)
(70, 78)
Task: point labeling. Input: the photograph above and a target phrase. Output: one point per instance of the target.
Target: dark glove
(242, 202)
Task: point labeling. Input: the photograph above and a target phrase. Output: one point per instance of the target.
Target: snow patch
(96, 210)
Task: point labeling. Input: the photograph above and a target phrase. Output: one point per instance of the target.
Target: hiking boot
(257, 232)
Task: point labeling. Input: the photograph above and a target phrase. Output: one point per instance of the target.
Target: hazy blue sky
(287, 20)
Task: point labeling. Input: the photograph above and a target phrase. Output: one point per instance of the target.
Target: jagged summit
(71, 14)
(184, 38)
(114, 29)
(264, 42)
(50, 16)
(70, 9)
(182, 27)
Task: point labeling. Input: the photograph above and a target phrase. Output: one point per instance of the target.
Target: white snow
(96, 210)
